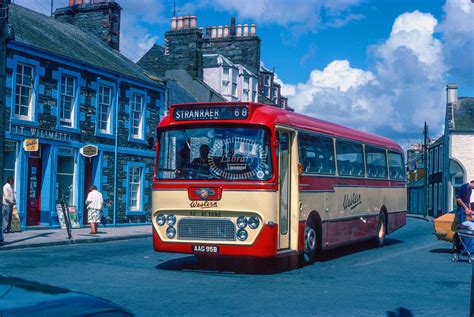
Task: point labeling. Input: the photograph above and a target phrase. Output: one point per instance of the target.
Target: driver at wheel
(201, 163)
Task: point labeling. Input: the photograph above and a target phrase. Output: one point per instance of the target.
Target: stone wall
(183, 50)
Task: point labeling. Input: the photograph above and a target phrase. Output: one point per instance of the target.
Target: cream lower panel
(352, 201)
(231, 206)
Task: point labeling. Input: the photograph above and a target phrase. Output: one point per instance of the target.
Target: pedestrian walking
(94, 204)
(8, 202)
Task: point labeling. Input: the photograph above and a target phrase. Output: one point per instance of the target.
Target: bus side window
(316, 154)
(376, 162)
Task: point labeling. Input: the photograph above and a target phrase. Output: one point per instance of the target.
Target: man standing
(8, 202)
(463, 200)
(94, 204)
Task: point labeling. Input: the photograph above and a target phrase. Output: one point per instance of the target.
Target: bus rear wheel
(381, 230)
(310, 242)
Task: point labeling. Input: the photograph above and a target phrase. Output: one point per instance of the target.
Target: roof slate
(460, 114)
(46, 33)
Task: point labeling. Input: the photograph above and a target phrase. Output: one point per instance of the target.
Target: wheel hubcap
(310, 240)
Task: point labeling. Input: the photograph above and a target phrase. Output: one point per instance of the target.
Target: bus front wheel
(310, 242)
(381, 230)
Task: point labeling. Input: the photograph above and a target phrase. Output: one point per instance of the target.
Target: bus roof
(270, 116)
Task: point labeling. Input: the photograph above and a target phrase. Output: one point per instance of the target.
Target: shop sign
(31, 145)
(37, 133)
(89, 150)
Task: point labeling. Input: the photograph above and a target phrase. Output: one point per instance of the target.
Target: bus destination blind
(211, 113)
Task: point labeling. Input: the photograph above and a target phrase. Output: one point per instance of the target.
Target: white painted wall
(461, 148)
(213, 77)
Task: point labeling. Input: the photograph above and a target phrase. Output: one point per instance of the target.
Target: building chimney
(451, 93)
(232, 26)
(173, 23)
(253, 30)
(180, 23)
(219, 31)
(246, 30)
(226, 31)
(192, 22)
(98, 17)
(239, 29)
(186, 22)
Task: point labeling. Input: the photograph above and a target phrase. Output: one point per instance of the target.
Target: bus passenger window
(395, 161)
(350, 160)
(316, 154)
(376, 162)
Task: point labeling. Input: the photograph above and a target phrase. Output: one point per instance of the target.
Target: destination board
(211, 113)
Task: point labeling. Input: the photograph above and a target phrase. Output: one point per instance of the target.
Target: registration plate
(205, 249)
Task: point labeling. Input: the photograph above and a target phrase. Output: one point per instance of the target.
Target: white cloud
(403, 89)
(302, 15)
(457, 32)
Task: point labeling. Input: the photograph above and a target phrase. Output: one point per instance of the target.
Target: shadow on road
(400, 312)
(442, 250)
(231, 265)
(354, 248)
(29, 238)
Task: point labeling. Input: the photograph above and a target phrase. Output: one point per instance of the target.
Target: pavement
(49, 237)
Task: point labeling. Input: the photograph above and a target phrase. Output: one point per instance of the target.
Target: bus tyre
(381, 230)
(310, 242)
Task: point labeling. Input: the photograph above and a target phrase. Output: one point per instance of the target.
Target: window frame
(113, 89)
(317, 135)
(141, 125)
(384, 150)
(403, 166)
(338, 141)
(141, 191)
(75, 113)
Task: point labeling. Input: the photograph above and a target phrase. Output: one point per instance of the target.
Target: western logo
(351, 201)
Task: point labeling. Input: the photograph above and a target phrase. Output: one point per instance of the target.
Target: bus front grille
(206, 229)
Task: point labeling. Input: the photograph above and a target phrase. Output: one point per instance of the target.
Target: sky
(380, 66)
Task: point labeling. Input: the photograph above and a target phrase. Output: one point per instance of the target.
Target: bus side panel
(396, 220)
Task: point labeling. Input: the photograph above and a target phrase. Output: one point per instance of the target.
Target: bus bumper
(264, 246)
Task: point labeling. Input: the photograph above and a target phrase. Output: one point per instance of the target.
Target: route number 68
(240, 112)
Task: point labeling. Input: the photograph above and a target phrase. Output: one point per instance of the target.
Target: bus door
(284, 185)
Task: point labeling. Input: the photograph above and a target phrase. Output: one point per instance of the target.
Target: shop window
(9, 161)
(65, 177)
(24, 91)
(137, 116)
(105, 109)
(68, 97)
(376, 162)
(135, 188)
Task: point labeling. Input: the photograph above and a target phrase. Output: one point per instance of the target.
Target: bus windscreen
(226, 153)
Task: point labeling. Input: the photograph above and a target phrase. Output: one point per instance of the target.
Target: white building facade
(233, 81)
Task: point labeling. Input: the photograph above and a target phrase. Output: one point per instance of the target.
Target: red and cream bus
(246, 179)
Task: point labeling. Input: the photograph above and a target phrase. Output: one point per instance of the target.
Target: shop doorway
(87, 185)
(33, 201)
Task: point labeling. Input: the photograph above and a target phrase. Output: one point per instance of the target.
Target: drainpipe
(117, 105)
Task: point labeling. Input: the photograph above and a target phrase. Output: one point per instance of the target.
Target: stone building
(451, 156)
(415, 179)
(78, 113)
(186, 48)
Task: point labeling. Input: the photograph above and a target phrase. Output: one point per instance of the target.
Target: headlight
(254, 222)
(242, 234)
(171, 220)
(241, 222)
(170, 232)
(160, 219)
